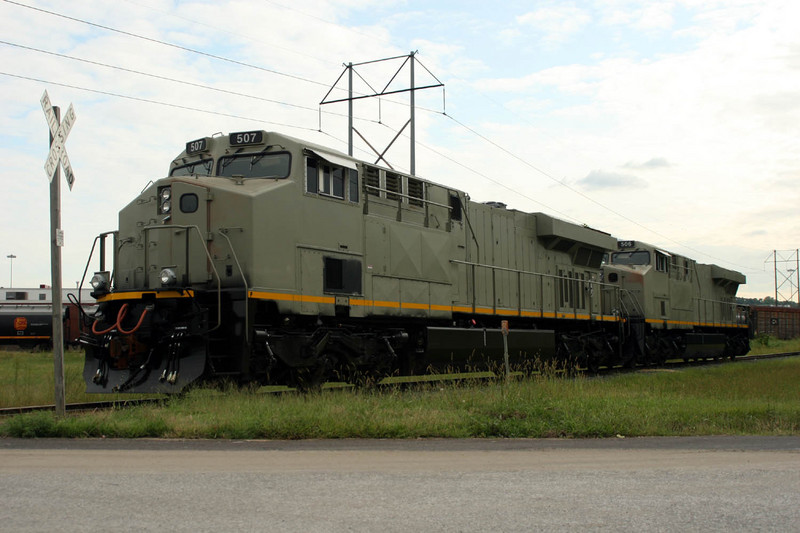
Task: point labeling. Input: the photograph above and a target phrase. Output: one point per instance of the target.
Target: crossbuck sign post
(58, 133)
(57, 157)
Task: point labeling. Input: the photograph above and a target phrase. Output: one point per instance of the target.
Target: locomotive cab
(649, 280)
(230, 265)
(183, 254)
(676, 306)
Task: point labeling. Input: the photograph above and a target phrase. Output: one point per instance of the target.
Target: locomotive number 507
(246, 137)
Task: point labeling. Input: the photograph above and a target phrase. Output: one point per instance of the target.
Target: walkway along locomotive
(263, 258)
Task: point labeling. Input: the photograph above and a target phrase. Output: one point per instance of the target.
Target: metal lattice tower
(786, 264)
(350, 69)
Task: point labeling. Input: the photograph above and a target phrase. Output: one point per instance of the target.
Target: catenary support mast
(351, 70)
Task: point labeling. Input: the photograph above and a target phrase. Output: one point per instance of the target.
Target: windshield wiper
(260, 155)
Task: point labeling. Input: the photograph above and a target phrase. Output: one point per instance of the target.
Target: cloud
(556, 23)
(656, 16)
(599, 179)
(656, 162)
(643, 16)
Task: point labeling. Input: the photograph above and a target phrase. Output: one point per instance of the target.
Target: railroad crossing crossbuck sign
(58, 152)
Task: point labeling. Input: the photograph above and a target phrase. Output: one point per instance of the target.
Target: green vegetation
(765, 344)
(748, 398)
(26, 378)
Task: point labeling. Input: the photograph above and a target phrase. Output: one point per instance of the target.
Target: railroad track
(766, 356)
(740, 359)
(77, 407)
(117, 404)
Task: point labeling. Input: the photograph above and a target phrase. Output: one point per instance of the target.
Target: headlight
(99, 281)
(164, 200)
(168, 277)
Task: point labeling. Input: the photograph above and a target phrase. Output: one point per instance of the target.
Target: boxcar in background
(780, 322)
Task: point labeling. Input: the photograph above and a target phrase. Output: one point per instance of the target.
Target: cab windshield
(273, 165)
(195, 168)
(631, 258)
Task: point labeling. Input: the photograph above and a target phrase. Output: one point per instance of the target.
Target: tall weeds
(748, 398)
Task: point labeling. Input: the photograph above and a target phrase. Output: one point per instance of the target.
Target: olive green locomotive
(264, 258)
(676, 307)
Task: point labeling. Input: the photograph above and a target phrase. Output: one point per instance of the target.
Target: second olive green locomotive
(265, 258)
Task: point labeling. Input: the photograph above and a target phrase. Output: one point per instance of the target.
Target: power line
(156, 76)
(184, 48)
(498, 182)
(487, 177)
(156, 102)
(174, 80)
(583, 195)
(165, 43)
(219, 29)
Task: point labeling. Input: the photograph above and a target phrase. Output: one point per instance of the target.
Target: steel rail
(84, 406)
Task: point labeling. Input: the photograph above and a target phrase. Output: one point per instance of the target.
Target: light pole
(11, 281)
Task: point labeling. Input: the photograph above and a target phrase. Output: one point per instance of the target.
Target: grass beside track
(759, 398)
(27, 378)
(764, 344)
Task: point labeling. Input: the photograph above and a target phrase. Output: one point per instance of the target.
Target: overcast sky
(671, 122)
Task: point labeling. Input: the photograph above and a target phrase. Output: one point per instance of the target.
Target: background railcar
(780, 322)
(26, 316)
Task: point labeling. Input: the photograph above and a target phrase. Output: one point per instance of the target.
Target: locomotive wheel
(663, 351)
(562, 359)
(311, 379)
(592, 363)
(628, 359)
(593, 356)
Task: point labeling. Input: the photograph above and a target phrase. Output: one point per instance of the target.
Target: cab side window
(662, 262)
(334, 181)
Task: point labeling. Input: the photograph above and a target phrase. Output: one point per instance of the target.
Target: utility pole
(57, 159)
(350, 109)
(55, 284)
(11, 280)
(412, 121)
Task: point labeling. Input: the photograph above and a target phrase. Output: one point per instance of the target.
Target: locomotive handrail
(102, 239)
(636, 306)
(603, 286)
(224, 233)
(516, 270)
(474, 237)
(722, 303)
(208, 255)
(714, 301)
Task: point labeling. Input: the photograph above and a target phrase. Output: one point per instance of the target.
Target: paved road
(659, 484)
